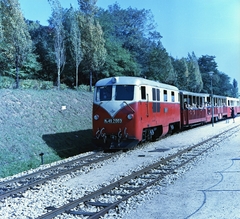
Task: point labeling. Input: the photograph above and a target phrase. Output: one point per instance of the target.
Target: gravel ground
(209, 190)
(187, 194)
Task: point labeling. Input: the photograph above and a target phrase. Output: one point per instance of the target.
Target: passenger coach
(127, 110)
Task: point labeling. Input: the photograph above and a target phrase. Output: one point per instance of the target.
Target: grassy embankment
(35, 121)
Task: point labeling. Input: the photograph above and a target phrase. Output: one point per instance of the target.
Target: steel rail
(147, 170)
(85, 161)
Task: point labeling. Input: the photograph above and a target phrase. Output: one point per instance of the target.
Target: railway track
(15, 186)
(101, 201)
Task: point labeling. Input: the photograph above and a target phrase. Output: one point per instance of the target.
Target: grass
(35, 121)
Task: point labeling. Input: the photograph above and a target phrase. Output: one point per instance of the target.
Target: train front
(114, 114)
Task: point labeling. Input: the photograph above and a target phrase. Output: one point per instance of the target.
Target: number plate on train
(112, 121)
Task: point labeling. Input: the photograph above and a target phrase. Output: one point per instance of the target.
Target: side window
(143, 92)
(165, 95)
(153, 93)
(158, 95)
(156, 100)
(173, 96)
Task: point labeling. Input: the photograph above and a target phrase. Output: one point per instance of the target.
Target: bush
(46, 85)
(83, 87)
(30, 84)
(6, 82)
(63, 86)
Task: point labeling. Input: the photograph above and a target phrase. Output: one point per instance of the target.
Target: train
(129, 110)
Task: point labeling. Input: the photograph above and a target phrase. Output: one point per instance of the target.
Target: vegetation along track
(110, 196)
(16, 185)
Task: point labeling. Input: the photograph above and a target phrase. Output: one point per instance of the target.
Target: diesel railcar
(127, 110)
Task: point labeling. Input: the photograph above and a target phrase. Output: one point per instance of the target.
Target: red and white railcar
(233, 102)
(199, 108)
(127, 110)
(194, 108)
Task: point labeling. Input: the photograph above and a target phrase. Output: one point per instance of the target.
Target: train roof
(207, 95)
(193, 93)
(127, 80)
(233, 98)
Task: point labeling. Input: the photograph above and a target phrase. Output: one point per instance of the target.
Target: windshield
(104, 93)
(124, 92)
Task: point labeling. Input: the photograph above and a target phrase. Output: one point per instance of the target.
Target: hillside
(34, 122)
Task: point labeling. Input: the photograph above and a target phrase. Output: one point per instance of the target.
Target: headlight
(96, 117)
(130, 116)
(114, 80)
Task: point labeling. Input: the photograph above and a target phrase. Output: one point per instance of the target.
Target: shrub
(46, 85)
(83, 87)
(30, 84)
(63, 86)
(6, 82)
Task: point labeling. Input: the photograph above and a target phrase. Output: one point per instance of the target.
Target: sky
(205, 27)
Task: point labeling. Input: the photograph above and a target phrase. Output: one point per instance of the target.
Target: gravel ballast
(157, 202)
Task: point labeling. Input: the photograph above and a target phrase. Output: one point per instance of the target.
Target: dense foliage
(81, 46)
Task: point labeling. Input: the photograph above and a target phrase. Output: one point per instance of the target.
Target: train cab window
(165, 95)
(143, 92)
(124, 92)
(104, 93)
(173, 96)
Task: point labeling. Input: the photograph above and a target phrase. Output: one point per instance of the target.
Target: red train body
(128, 110)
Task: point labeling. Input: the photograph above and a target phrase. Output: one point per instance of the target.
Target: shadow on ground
(68, 144)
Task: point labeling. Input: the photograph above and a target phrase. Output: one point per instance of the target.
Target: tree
(134, 29)
(208, 64)
(56, 24)
(17, 40)
(181, 70)
(160, 66)
(119, 61)
(2, 58)
(43, 42)
(195, 83)
(75, 40)
(1, 27)
(221, 81)
(93, 43)
(222, 85)
(235, 88)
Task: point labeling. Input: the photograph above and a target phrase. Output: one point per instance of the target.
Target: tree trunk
(17, 72)
(90, 88)
(58, 80)
(76, 76)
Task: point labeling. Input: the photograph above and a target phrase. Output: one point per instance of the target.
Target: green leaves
(16, 38)
(59, 35)
(93, 42)
(89, 43)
